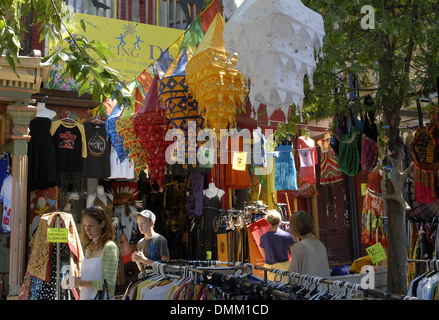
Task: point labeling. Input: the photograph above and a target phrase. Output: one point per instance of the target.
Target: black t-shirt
(67, 140)
(97, 163)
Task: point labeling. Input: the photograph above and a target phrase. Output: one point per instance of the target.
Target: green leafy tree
(391, 47)
(86, 62)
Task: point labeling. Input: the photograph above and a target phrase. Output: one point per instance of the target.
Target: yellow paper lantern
(213, 80)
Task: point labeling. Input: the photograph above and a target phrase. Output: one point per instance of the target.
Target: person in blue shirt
(276, 243)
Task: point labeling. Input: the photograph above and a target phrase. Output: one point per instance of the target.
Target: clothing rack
(342, 284)
(432, 264)
(201, 262)
(237, 278)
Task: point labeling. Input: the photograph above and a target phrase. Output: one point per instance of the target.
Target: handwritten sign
(57, 235)
(376, 253)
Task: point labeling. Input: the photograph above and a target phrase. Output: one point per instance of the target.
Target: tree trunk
(397, 250)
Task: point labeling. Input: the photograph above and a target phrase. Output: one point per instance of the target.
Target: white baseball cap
(147, 214)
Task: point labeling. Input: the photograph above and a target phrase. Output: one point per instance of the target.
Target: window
(102, 8)
(172, 16)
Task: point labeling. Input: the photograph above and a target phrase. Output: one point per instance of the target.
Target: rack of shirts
(193, 280)
(423, 243)
(307, 287)
(426, 286)
(201, 280)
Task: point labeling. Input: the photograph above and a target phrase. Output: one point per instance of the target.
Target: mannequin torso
(43, 112)
(213, 191)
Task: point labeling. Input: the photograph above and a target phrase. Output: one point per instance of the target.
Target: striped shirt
(110, 263)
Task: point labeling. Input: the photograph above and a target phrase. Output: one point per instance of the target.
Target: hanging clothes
(70, 144)
(97, 163)
(329, 170)
(40, 265)
(425, 186)
(349, 157)
(6, 194)
(426, 286)
(285, 168)
(195, 200)
(42, 157)
(210, 226)
(369, 145)
(235, 179)
(120, 169)
(115, 138)
(307, 153)
(373, 207)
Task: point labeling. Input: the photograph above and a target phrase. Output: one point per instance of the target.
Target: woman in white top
(309, 255)
(101, 254)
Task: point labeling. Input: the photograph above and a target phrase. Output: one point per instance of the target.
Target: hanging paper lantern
(124, 126)
(216, 85)
(150, 126)
(180, 108)
(275, 41)
(131, 144)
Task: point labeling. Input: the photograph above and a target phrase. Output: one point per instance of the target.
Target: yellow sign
(363, 188)
(376, 253)
(134, 45)
(57, 235)
(239, 161)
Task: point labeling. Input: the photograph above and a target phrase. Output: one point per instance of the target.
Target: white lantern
(275, 41)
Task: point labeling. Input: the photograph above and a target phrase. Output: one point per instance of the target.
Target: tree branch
(62, 22)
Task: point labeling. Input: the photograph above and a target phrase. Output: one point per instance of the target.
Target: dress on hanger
(308, 173)
(349, 156)
(285, 169)
(373, 207)
(42, 157)
(210, 225)
(195, 199)
(329, 170)
(97, 163)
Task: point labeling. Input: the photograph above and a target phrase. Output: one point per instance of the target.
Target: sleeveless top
(91, 269)
(349, 157)
(329, 170)
(210, 225)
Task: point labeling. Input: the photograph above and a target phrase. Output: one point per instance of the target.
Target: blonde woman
(309, 255)
(276, 244)
(101, 254)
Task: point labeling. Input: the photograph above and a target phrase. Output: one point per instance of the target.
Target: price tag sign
(363, 188)
(376, 253)
(57, 235)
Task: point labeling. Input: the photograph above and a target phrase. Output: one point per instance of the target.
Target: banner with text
(134, 45)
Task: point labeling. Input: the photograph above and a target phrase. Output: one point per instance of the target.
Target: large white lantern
(276, 42)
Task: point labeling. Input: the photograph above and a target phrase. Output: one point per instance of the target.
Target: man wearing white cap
(153, 247)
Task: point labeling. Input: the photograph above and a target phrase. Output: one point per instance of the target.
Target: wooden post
(21, 116)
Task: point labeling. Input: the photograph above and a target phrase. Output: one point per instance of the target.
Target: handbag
(101, 293)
